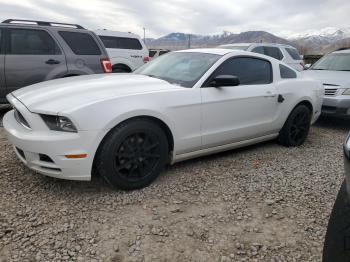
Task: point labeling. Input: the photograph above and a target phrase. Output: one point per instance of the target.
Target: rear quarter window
(152, 53)
(293, 53)
(121, 42)
(81, 43)
(287, 72)
(274, 52)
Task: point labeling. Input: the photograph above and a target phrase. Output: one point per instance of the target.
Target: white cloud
(196, 16)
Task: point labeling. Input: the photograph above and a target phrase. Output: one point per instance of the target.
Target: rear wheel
(120, 68)
(296, 128)
(133, 154)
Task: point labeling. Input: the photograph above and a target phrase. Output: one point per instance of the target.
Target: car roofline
(258, 44)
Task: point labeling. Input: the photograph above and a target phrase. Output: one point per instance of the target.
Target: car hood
(69, 93)
(340, 78)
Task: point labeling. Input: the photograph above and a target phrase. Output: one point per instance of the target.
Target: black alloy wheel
(133, 154)
(137, 156)
(296, 128)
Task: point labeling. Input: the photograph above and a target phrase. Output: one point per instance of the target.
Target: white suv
(285, 53)
(126, 51)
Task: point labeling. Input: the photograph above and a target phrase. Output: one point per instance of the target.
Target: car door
(2, 68)
(32, 56)
(235, 113)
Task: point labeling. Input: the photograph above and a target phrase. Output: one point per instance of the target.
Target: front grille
(330, 91)
(20, 119)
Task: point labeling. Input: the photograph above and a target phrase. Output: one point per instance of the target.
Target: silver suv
(285, 53)
(35, 51)
(333, 71)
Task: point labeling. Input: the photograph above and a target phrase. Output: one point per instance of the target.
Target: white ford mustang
(182, 105)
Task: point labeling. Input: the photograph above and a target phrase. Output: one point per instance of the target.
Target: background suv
(35, 51)
(333, 71)
(154, 53)
(285, 53)
(126, 50)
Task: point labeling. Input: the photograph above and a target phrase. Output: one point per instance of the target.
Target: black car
(337, 242)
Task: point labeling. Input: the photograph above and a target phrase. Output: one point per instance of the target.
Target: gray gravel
(262, 203)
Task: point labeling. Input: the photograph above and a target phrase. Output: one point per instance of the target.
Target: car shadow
(333, 123)
(3, 110)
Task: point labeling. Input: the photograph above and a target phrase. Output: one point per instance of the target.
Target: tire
(296, 128)
(133, 154)
(121, 69)
(337, 242)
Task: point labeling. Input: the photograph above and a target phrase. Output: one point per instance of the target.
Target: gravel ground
(262, 203)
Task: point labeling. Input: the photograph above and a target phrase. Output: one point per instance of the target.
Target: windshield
(333, 62)
(235, 47)
(181, 68)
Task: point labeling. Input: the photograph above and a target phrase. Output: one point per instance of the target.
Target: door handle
(52, 62)
(269, 94)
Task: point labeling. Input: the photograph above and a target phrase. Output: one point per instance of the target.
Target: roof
(346, 51)
(105, 32)
(258, 44)
(214, 51)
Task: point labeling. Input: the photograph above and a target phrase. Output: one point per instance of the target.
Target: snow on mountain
(311, 42)
(328, 32)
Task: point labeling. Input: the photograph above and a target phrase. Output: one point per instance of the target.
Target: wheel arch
(303, 101)
(122, 65)
(306, 103)
(162, 124)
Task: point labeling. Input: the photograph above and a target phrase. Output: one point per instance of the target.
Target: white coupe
(185, 104)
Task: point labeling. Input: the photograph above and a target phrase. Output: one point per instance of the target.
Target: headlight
(59, 123)
(346, 92)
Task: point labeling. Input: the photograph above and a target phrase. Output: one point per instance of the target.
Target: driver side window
(249, 70)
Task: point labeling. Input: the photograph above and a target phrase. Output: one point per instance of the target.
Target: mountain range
(311, 42)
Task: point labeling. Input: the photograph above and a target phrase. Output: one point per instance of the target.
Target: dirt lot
(262, 203)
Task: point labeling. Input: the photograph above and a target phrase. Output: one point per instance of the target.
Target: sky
(161, 17)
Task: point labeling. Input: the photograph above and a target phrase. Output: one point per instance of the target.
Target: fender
(122, 60)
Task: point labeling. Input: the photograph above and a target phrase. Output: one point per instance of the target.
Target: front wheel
(133, 154)
(296, 128)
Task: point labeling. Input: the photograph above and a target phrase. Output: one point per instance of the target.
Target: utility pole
(144, 35)
(189, 41)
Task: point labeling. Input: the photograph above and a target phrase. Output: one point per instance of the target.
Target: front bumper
(44, 150)
(338, 106)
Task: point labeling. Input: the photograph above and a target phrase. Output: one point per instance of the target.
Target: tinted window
(287, 72)
(293, 53)
(0, 41)
(152, 53)
(163, 52)
(250, 71)
(32, 42)
(274, 52)
(121, 42)
(81, 43)
(259, 50)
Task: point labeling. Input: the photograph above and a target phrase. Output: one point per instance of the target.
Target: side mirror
(224, 80)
